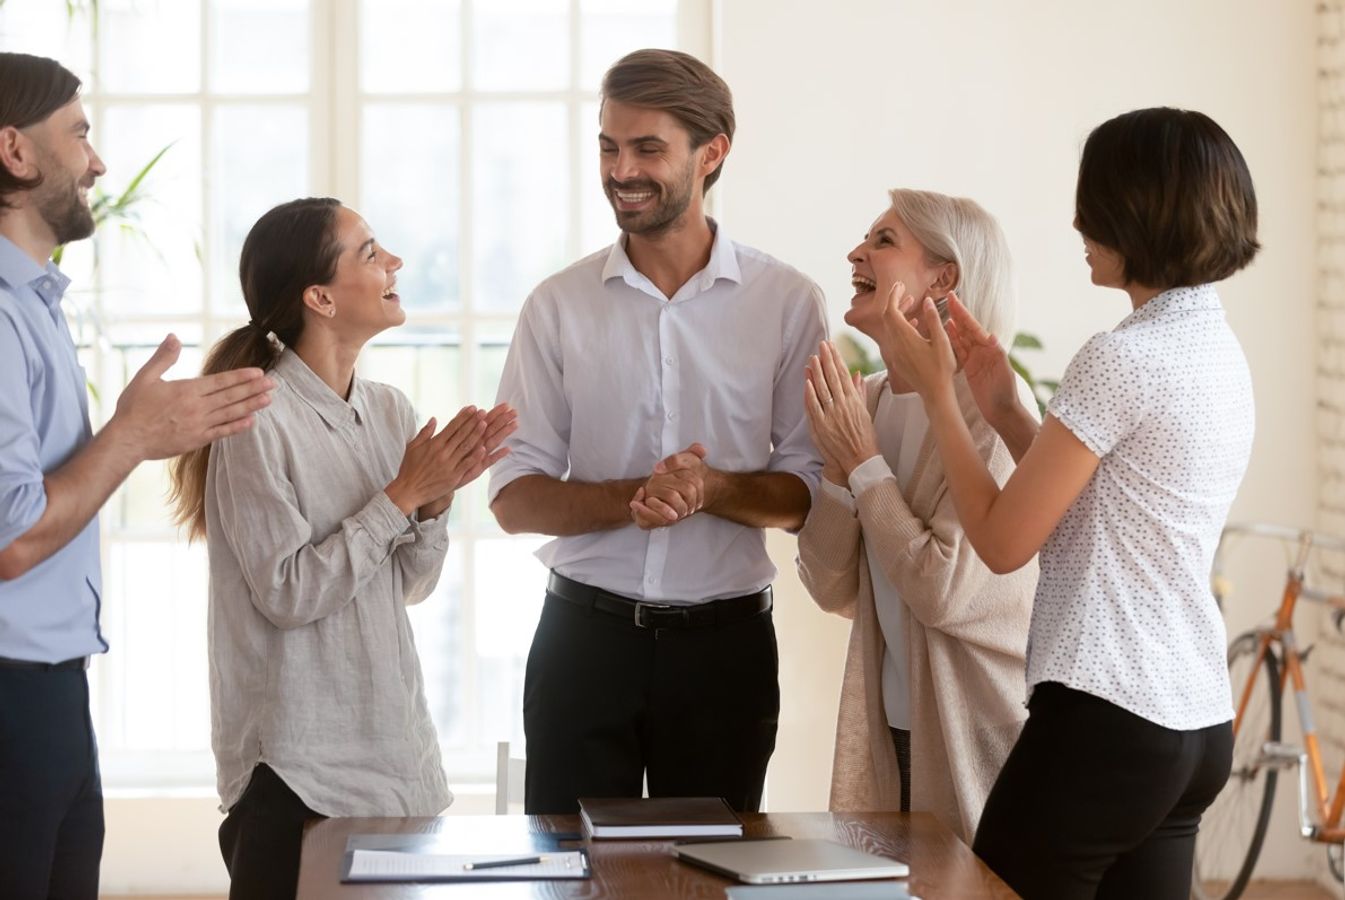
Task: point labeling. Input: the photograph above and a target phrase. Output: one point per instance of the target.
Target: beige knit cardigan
(966, 628)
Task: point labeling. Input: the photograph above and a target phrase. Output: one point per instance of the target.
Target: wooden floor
(1287, 890)
(1258, 890)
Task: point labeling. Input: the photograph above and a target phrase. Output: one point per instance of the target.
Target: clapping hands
(436, 465)
(837, 416)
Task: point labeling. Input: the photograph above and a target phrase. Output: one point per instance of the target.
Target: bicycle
(1262, 663)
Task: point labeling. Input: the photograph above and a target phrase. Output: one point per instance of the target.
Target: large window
(465, 133)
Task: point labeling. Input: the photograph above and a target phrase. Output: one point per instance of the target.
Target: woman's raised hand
(926, 364)
(983, 361)
(434, 465)
(501, 422)
(837, 417)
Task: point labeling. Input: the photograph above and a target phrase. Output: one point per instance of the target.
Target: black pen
(497, 863)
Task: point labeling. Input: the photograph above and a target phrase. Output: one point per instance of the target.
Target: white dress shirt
(901, 424)
(609, 376)
(313, 667)
(1123, 609)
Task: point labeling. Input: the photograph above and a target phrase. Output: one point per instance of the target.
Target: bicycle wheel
(1234, 827)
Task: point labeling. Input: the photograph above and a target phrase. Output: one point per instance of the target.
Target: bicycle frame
(1329, 805)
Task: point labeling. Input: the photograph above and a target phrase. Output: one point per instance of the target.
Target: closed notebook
(659, 817)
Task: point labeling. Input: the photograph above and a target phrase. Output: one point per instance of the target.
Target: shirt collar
(1176, 300)
(318, 394)
(723, 264)
(17, 267)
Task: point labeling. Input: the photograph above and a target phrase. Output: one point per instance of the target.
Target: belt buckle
(642, 607)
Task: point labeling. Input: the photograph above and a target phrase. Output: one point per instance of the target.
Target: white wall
(837, 102)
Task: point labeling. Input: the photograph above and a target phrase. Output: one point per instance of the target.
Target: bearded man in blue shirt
(55, 474)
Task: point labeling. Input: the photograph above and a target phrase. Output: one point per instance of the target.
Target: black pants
(261, 838)
(51, 795)
(901, 742)
(606, 702)
(1095, 801)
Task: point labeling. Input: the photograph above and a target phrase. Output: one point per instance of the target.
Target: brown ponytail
(291, 248)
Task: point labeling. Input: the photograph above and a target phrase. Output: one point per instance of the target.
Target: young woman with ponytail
(322, 523)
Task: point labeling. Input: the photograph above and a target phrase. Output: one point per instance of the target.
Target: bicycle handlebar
(1306, 540)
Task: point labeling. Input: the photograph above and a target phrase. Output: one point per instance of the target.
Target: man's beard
(59, 205)
(664, 214)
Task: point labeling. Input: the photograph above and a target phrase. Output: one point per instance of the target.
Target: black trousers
(607, 703)
(901, 742)
(1095, 801)
(261, 838)
(51, 794)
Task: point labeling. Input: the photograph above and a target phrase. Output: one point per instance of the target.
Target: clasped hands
(680, 486)
(437, 464)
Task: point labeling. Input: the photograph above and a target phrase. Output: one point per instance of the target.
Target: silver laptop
(784, 861)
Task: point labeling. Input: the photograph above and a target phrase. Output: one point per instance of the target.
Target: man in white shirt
(659, 385)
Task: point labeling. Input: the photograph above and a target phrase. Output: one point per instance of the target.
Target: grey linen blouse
(313, 667)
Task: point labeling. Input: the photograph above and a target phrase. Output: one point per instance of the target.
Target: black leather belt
(660, 615)
(79, 662)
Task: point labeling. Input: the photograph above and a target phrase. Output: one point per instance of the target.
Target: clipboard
(360, 866)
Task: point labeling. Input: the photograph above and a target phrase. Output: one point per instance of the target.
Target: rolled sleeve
(532, 384)
(23, 495)
(793, 450)
(295, 577)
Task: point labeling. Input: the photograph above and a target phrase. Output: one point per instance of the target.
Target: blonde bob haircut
(960, 231)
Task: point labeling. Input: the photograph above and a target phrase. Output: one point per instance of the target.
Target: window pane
(151, 265)
(410, 46)
(491, 349)
(599, 227)
(259, 46)
(139, 505)
(442, 646)
(508, 588)
(521, 45)
(45, 28)
(159, 643)
(151, 46)
(426, 367)
(521, 181)
(613, 28)
(260, 159)
(409, 196)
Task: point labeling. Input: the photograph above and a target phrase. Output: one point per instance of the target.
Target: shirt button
(668, 360)
(671, 416)
(649, 580)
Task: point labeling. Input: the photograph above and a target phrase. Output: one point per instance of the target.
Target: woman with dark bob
(322, 522)
(1123, 489)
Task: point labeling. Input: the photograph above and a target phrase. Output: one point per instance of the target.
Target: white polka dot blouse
(1123, 609)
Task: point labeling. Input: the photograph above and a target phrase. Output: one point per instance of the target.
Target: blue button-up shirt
(50, 613)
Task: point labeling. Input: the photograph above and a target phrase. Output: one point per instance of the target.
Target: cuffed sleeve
(793, 450)
(23, 497)
(295, 576)
(533, 383)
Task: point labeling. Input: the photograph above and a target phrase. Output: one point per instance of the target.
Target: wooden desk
(942, 867)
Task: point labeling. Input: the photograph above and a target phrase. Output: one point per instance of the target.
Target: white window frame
(335, 102)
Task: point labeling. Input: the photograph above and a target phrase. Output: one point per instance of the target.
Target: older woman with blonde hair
(932, 698)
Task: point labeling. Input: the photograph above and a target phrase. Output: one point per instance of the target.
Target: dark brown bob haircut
(1169, 191)
(31, 88)
(680, 85)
